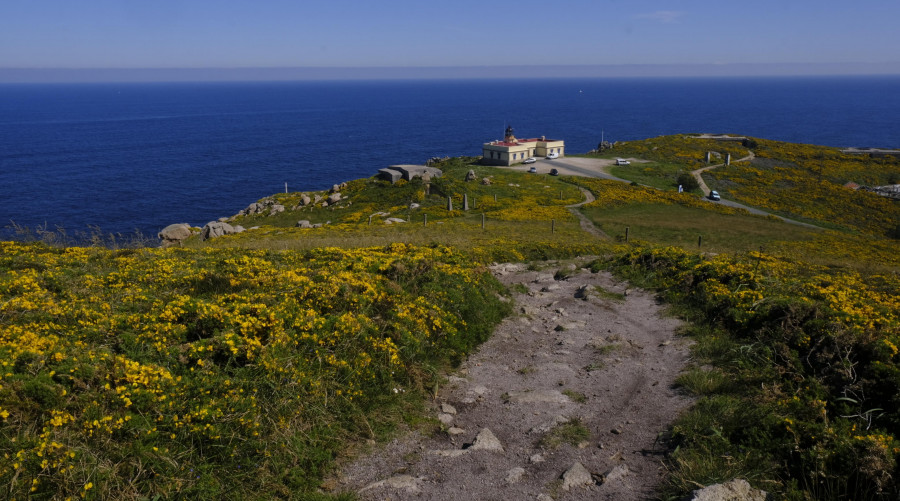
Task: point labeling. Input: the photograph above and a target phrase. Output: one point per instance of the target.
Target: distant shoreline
(517, 72)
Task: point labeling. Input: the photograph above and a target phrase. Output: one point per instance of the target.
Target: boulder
(174, 234)
(303, 224)
(486, 181)
(393, 220)
(335, 189)
(470, 176)
(304, 200)
(334, 198)
(737, 489)
(276, 208)
(216, 229)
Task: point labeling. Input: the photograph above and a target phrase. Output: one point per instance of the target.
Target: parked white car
(530, 160)
(553, 155)
(622, 161)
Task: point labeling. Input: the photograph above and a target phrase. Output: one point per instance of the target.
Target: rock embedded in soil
(514, 475)
(733, 490)
(486, 441)
(400, 482)
(576, 476)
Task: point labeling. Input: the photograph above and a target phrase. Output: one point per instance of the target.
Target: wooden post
(699, 241)
(495, 197)
(285, 187)
(450, 203)
(626, 233)
(560, 194)
(482, 220)
(553, 226)
(370, 220)
(426, 220)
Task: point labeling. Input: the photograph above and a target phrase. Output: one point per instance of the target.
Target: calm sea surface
(129, 157)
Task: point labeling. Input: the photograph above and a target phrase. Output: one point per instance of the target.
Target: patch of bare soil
(565, 401)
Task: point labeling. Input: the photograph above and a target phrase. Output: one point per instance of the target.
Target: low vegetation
(245, 366)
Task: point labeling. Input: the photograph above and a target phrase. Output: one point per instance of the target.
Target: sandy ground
(568, 360)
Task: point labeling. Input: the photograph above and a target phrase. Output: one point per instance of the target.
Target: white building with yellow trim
(512, 151)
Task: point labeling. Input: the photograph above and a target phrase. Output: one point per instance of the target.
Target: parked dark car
(554, 172)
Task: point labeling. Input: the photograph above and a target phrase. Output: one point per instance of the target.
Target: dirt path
(697, 173)
(586, 224)
(596, 372)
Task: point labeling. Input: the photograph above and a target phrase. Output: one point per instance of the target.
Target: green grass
(681, 226)
(572, 433)
(575, 396)
(656, 174)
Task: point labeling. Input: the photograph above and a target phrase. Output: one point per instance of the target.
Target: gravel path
(567, 401)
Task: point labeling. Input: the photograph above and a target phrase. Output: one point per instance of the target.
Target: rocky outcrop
(174, 234)
(217, 229)
(266, 206)
(470, 176)
(733, 490)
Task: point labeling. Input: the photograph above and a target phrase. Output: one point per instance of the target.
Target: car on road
(553, 155)
(714, 196)
(530, 160)
(622, 161)
(554, 172)
(532, 170)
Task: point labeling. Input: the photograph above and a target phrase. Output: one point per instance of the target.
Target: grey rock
(454, 431)
(174, 234)
(401, 482)
(549, 425)
(616, 474)
(734, 490)
(275, 209)
(576, 476)
(305, 200)
(536, 458)
(393, 220)
(470, 176)
(215, 229)
(538, 396)
(239, 229)
(303, 224)
(414, 205)
(447, 408)
(334, 198)
(446, 419)
(486, 181)
(335, 188)
(486, 441)
(514, 475)
(583, 292)
(550, 287)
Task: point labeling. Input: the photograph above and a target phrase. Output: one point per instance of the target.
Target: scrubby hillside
(244, 365)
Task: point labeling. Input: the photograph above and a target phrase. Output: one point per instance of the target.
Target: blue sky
(36, 34)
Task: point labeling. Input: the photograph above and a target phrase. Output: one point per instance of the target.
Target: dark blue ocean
(126, 157)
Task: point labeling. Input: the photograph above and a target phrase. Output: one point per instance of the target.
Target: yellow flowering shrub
(214, 368)
(813, 362)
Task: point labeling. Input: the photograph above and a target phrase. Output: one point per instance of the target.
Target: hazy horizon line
(312, 73)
